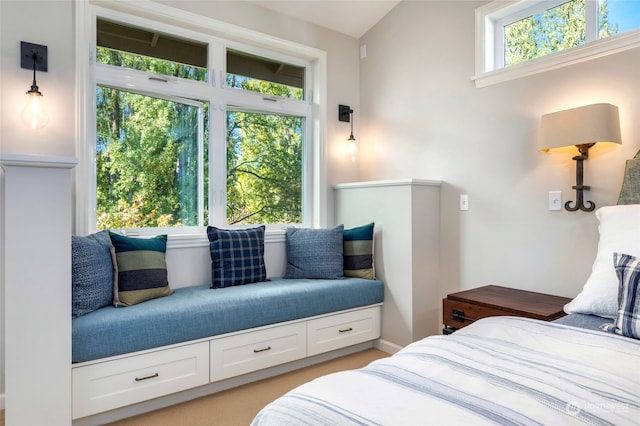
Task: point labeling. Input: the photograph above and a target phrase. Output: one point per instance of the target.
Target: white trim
(487, 75)
(19, 160)
(386, 346)
(1, 401)
(397, 182)
(200, 238)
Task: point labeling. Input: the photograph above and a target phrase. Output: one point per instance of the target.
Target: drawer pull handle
(139, 379)
(459, 316)
(344, 330)
(268, 348)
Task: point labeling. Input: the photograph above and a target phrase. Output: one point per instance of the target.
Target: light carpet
(239, 406)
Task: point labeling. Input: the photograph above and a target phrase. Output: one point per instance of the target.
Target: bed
(582, 369)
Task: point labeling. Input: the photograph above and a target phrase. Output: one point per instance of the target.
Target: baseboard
(386, 346)
(1, 401)
(187, 395)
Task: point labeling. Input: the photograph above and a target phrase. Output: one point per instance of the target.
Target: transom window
(175, 147)
(516, 33)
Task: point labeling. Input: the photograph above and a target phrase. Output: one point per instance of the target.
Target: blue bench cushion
(196, 312)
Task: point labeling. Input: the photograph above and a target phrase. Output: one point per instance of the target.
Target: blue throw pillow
(141, 269)
(237, 256)
(358, 252)
(628, 318)
(91, 273)
(314, 253)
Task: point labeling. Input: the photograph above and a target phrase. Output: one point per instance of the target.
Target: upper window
(146, 50)
(263, 75)
(516, 33)
(174, 148)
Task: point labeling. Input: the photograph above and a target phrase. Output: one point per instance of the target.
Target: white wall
(422, 117)
(51, 22)
(41, 22)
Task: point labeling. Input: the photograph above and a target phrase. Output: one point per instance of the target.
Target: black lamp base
(579, 187)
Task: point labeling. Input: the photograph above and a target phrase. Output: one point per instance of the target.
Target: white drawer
(243, 353)
(341, 330)
(111, 384)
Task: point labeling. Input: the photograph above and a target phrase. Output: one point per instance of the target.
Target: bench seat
(197, 312)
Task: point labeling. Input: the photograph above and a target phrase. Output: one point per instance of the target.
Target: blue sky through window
(625, 13)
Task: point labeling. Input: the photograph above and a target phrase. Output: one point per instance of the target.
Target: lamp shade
(580, 126)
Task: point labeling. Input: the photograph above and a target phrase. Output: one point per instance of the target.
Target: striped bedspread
(500, 370)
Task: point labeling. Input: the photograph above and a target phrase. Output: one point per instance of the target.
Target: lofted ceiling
(351, 17)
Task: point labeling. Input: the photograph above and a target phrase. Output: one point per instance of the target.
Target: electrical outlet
(464, 202)
(555, 200)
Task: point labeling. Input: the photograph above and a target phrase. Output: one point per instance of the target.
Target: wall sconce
(583, 127)
(34, 56)
(345, 113)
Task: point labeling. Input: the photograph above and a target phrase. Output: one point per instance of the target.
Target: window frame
(489, 36)
(178, 22)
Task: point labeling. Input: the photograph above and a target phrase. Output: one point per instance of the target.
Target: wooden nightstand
(462, 308)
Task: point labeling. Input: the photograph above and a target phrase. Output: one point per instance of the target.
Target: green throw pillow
(358, 252)
(141, 270)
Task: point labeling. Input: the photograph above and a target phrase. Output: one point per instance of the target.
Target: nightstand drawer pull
(268, 348)
(459, 316)
(344, 330)
(152, 376)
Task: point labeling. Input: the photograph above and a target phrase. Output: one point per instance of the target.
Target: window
(264, 168)
(152, 51)
(177, 148)
(149, 160)
(523, 32)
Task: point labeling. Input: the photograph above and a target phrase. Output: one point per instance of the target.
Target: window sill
(619, 43)
(178, 241)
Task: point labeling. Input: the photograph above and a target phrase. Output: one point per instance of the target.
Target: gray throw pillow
(91, 273)
(314, 253)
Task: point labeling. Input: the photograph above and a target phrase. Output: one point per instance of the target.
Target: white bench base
(160, 377)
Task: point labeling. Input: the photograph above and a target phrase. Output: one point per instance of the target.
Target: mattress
(591, 322)
(499, 370)
(192, 313)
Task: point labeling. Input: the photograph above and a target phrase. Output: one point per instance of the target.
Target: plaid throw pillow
(237, 256)
(628, 318)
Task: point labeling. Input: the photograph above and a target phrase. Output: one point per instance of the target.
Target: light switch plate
(555, 200)
(464, 202)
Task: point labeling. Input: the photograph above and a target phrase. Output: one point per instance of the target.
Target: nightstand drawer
(459, 314)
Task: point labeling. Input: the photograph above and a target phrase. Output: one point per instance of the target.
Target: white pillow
(619, 232)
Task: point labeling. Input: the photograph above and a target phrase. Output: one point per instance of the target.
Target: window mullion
(591, 20)
(217, 165)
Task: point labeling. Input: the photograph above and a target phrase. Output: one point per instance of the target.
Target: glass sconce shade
(34, 114)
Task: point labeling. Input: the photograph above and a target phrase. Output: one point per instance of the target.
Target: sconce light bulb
(352, 147)
(34, 114)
